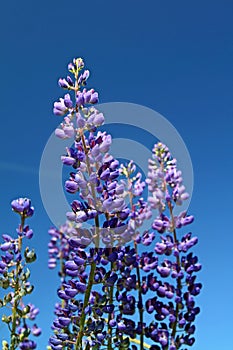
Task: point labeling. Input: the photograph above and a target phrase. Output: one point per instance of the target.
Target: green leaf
(19, 312)
(7, 298)
(27, 273)
(124, 344)
(5, 345)
(29, 289)
(4, 283)
(26, 310)
(6, 319)
(30, 255)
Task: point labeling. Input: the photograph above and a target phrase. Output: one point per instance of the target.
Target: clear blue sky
(172, 56)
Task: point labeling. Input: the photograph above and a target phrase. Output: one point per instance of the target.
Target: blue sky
(172, 56)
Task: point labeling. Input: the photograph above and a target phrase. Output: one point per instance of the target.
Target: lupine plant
(122, 286)
(14, 280)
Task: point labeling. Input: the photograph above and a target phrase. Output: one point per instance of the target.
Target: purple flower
(71, 186)
(36, 331)
(64, 321)
(83, 78)
(6, 246)
(81, 287)
(63, 83)
(59, 108)
(27, 345)
(23, 207)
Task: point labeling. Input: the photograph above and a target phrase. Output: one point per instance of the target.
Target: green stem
(110, 316)
(140, 300)
(62, 274)
(179, 284)
(13, 344)
(78, 344)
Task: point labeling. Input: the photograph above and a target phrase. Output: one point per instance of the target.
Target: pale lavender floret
(68, 130)
(69, 80)
(83, 77)
(114, 164)
(98, 119)
(81, 216)
(118, 203)
(59, 108)
(71, 216)
(95, 151)
(68, 160)
(63, 83)
(71, 67)
(94, 98)
(6, 246)
(179, 194)
(93, 178)
(52, 263)
(60, 133)
(87, 96)
(33, 311)
(79, 99)
(120, 189)
(80, 180)
(7, 237)
(81, 122)
(71, 186)
(157, 200)
(105, 145)
(36, 331)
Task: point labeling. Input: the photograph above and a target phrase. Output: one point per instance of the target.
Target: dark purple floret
(64, 321)
(27, 345)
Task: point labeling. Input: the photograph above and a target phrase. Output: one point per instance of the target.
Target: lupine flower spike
(121, 287)
(14, 279)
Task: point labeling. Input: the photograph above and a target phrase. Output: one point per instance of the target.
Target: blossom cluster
(14, 278)
(114, 293)
(121, 286)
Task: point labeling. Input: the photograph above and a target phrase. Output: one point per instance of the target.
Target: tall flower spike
(109, 279)
(177, 315)
(14, 275)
